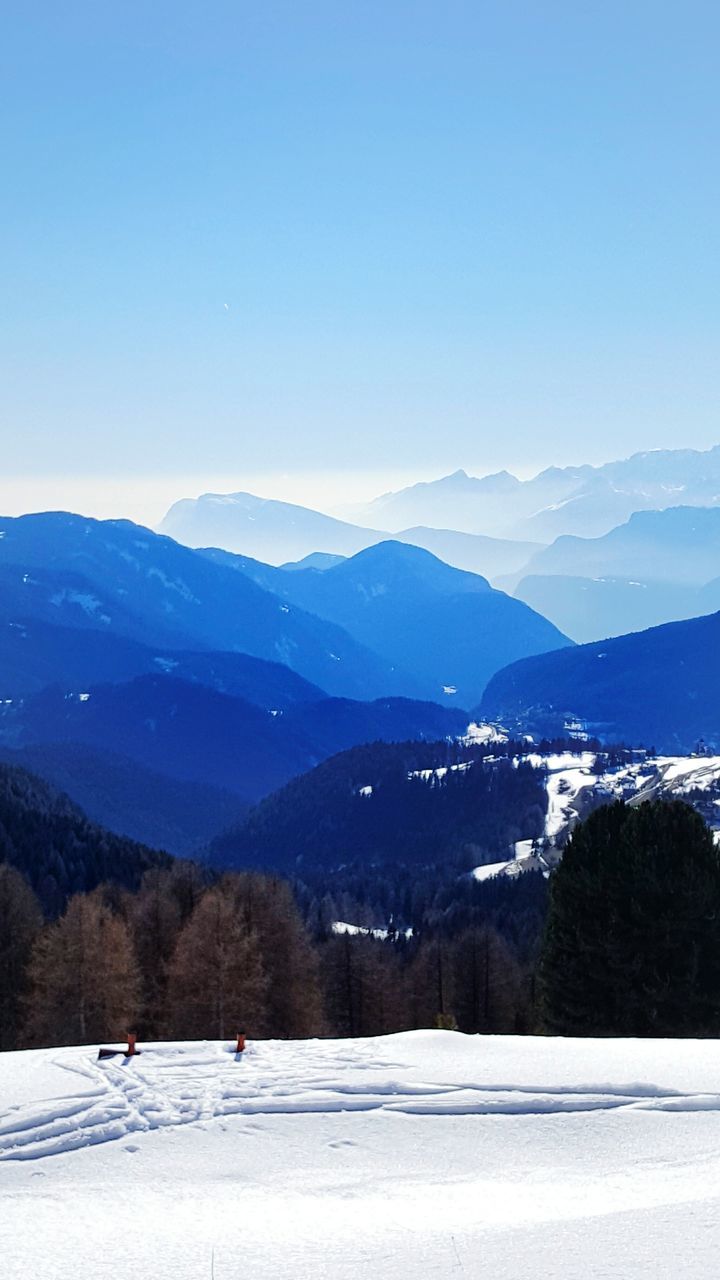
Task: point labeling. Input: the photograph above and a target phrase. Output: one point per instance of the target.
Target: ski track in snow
(173, 1085)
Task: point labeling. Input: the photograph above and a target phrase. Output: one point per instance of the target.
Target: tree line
(630, 946)
(184, 957)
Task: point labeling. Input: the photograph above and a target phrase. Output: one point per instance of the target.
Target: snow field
(429, 1152)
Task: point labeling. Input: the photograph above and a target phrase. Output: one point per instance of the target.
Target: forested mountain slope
(121, 579)
(660, 686)
(35, 654)
(379, 806)
(130, 799)
(192, 733)
(446, 626)
(49, 839)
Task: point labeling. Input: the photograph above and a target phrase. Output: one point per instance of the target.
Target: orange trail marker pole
(240, 1047)
(131, 1050)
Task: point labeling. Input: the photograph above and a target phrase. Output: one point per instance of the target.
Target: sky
(319, 250)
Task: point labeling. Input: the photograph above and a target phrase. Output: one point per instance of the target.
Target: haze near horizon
(298, 250)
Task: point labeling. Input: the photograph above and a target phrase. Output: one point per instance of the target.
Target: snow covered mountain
(578, 781)
(585, 500)
(284, 533)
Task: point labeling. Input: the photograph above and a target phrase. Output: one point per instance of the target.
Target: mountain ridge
(181, 601)
(659, 687)
(446, 626)
(557, 500)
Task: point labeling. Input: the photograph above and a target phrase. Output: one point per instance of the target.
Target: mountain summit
(447, 627)
(585, 500)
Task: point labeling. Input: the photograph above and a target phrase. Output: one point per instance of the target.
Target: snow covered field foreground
(426, 1154)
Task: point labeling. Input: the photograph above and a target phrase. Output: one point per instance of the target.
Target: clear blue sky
(270, 240)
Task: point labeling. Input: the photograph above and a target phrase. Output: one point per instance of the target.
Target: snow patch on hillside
(574, 785)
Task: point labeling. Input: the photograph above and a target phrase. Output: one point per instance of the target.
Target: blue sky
(319, 248)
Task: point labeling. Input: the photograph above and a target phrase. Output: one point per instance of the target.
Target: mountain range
(115, 577)
(166, 687)
(132, 602)
(446, 626)
(680, 544)
(278, 532)
(660, 566)
(645, 520)
(195, 734)
(586, 500)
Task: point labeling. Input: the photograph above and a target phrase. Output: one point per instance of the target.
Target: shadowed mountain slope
(192, 733)
(446, 626)
(659, 687)
(126, 580)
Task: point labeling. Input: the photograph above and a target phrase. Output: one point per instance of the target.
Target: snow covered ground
(428, 1154)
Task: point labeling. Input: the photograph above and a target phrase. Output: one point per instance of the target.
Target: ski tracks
(170, 1085)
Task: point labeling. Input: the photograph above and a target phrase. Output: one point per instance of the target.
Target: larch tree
(84, 979)
(363, 985)
(155, 918)
(217, 984)
(430, 985)
(293, 1003)
(486, 983)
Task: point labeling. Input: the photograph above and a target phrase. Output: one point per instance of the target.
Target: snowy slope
(653, 777)
(429, 1153)
(574, 787)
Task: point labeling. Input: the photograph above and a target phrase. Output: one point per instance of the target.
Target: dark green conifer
(632, 942)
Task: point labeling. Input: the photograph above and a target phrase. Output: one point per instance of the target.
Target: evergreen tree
(632, 943)
(84, 979)
(20, 922)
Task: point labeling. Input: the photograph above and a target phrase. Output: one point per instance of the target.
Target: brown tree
(217, 984)
(293, 1003)
(363, 986)
(430, 993)
(155, 918)
(84, 981)
(486, 983)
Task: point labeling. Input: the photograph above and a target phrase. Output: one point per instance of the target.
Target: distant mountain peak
(403, 560)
